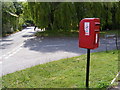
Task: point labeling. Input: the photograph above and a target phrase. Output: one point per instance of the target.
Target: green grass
(103, 33)
(67, 73)
(56, 33)
(70, 33)
(9, 33)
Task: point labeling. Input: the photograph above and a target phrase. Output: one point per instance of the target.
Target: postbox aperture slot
(97, 23)
(97, 30)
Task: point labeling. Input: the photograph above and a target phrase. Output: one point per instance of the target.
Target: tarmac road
(23, 50)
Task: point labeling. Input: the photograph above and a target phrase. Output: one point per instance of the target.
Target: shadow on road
(65, 44)
(27, 35)
(6, 40)
(32, 32)
(5, 43)
(46, 45)
(3, 46)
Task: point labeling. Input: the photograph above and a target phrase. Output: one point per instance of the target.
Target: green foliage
(57, 33)
(103, 84)
(59, 15)
(66, 15)
(26, 12)
(67, 73)
(10, 17)
(18, 7)
(117, 15)
(40, 13)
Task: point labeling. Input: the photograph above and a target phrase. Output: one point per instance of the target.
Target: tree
(115, 10)
(40, 12)
(117, 16)
(18, 7)
(53, 15)
(10, 17)
(66, 15)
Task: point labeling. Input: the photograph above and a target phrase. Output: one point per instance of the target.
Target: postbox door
(86, 35)
(89, 33)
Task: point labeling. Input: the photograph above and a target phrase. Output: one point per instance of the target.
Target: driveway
(23, 50)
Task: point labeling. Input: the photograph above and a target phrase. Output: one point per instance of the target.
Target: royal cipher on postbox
(89, 29)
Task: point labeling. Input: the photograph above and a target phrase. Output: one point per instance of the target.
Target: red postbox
(89, 29)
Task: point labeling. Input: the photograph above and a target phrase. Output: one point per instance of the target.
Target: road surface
(23, 50)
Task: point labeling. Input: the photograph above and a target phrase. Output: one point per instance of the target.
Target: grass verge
(70, 33)
(66, 73)
(58, 33)
(103, 33)
(9, 33)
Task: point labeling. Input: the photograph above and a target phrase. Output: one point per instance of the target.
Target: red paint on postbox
(89, 29)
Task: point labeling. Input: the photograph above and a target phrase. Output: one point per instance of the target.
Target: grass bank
(56, 33)
(9, 33)
(70, 33)
(103, 33)
(67, 73)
